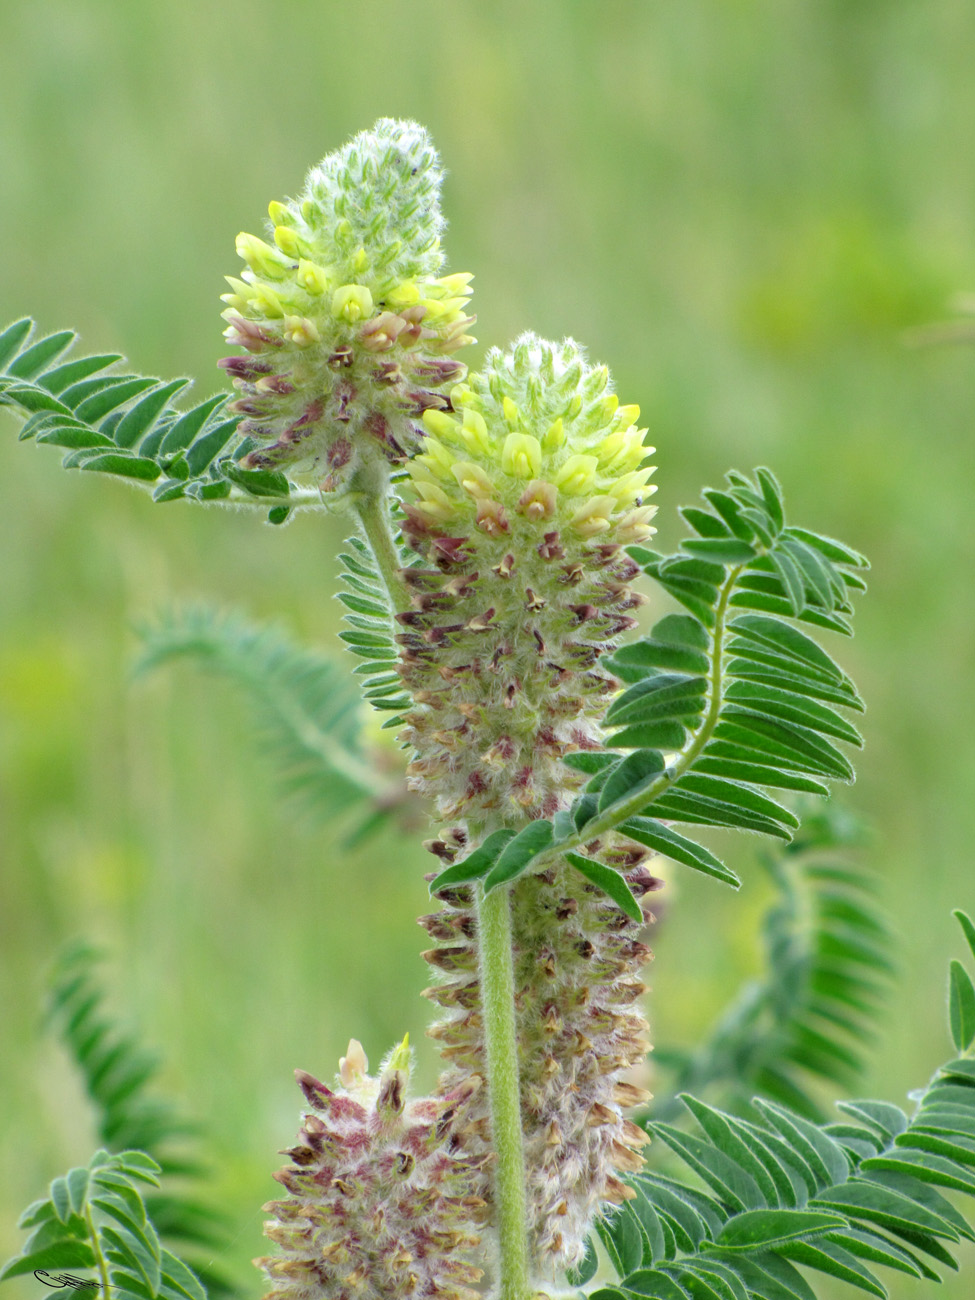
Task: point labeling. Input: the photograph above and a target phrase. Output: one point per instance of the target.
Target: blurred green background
(741, 207)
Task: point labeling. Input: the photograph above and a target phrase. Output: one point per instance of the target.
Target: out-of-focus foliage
(740, 208)
(118, 1073)
(810, 1015)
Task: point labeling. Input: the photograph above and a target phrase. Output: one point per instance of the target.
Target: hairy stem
(497, 1002)
(106, 1292)
(370, 502)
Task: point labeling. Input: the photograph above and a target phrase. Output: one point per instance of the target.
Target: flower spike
(381, 1193)
(350, 326)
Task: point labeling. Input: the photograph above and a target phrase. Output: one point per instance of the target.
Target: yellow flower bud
(627, 415)
(511, 413)
(473, 479)
(312, 278)
(456, 283)
(301, 330)
(475, 432)
(280, 213)
(432, 494)
(403, 295)
(400, 1056)
(521, 455)
(268, 301)
(437, 457)
(441, 424)
(630, 486)
(555, 436)
(610, 448)
(623, 451)
(260, 257)
(288, 242)
(361, 260)
(352, 302)
(242, 295)
(577, 475)
(594, 516)
(608, 405)
(635, 526)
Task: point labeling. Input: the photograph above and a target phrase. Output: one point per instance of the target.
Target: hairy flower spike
(348, 311)
(382, 1192)
(513, 472)
(520, 505)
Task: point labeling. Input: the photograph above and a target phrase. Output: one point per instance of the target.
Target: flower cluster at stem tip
(537, 441)
(348, 324)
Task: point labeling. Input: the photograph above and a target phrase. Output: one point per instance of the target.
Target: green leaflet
(533, 839)
(115, 1071)
(476, 865)
(837, 1198)
(301, 701)
(102, 1208)
(610, 882)
(961, 1006)
(807, 1015)
(707, 743)
(128, 426)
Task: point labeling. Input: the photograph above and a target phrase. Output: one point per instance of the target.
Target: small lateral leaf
(610, 882)
(140, 417)
(70, 1253)
(208, 445)
(660, 837)
(888, 1120)
(533, 839)
(60, 1199)
(476, 864)
(123, 466)
(771, 495)
(667, 733)
(967, 925)
(590, 761)
(189, 424)
(636, 773)
(259, 482)
(829, 1258)
(762, 1229)
(961, 1007)
(722, 551)
(181, 1279)
(651, 1282)
(32, 360)
(71, 372)
(13, 338)
(110, 397)
(77, 1184)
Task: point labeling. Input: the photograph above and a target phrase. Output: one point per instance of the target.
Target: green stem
(370, 501)
(498, 1005)
(106, 1292)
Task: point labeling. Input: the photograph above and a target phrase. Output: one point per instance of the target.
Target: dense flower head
(382, 1195)
(521, 499)
(537, 442)
(348, 325)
